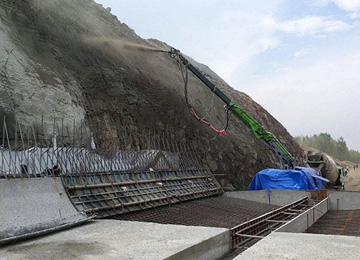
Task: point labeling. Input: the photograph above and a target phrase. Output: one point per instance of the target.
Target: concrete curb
(212, 248)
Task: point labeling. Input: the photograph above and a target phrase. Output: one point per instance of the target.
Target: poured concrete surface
(30, 205)
(113, 239)
(303, 246)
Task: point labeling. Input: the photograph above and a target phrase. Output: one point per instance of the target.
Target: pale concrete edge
(306, 219)
(344, 200)
(214, 248)
(271, 197)
(15, 239)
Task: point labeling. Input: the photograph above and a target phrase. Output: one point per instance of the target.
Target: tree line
(325, 143)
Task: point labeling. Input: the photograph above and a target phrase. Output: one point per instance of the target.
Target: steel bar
(260, 225)
(249, 236)
(132, 182)
(135, 203)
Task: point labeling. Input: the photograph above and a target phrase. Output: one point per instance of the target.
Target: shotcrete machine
(260, 133)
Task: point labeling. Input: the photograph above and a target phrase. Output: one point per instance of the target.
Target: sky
(299, 59)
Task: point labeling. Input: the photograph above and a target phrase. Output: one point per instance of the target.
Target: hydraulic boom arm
(258, 130)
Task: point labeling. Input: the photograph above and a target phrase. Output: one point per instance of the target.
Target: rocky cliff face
(72, 59)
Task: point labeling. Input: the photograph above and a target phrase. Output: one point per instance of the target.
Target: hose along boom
(260, 133)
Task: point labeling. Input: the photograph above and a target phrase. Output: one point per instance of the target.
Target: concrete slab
(114, 239)
(303, 246)
(31, 205)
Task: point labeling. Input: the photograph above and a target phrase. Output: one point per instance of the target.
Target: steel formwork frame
(253, 230)
(110, 194)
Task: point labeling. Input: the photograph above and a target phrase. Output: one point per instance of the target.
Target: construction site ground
(352, 180)
(197, 229)
(201, 225)
(341, 222)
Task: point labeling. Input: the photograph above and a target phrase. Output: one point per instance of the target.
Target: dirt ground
(352, 180)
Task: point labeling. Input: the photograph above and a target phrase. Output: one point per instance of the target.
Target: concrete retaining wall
(214, 248)
(306, 219)
(273, 197)
(33, 205)
(342, 200)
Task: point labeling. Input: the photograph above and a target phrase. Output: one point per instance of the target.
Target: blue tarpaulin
(300, 178)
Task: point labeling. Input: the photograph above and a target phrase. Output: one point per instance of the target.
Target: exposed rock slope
(73, 59)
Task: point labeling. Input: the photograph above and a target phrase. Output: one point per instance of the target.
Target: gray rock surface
(75, 60)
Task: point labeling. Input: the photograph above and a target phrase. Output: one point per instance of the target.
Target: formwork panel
(108, 194)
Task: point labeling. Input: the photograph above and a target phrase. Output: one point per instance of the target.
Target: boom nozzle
(174, 52)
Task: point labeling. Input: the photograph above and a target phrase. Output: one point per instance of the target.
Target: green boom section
(258, 130)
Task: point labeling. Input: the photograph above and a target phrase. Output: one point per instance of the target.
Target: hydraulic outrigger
(260, 133)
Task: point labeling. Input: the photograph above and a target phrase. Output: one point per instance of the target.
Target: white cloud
(242, 37)
(313, 25)
(348, 5)
(251, 36)
(320, 95)
(316, 26)
(354, 15)
(301, 53)
(320, 36)
(268, 43)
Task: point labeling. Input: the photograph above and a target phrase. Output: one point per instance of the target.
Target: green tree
(342, 151)
(325, 143)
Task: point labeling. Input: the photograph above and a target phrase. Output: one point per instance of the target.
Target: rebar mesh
(59, 150)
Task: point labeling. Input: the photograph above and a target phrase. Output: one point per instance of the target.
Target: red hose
(222, 132)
